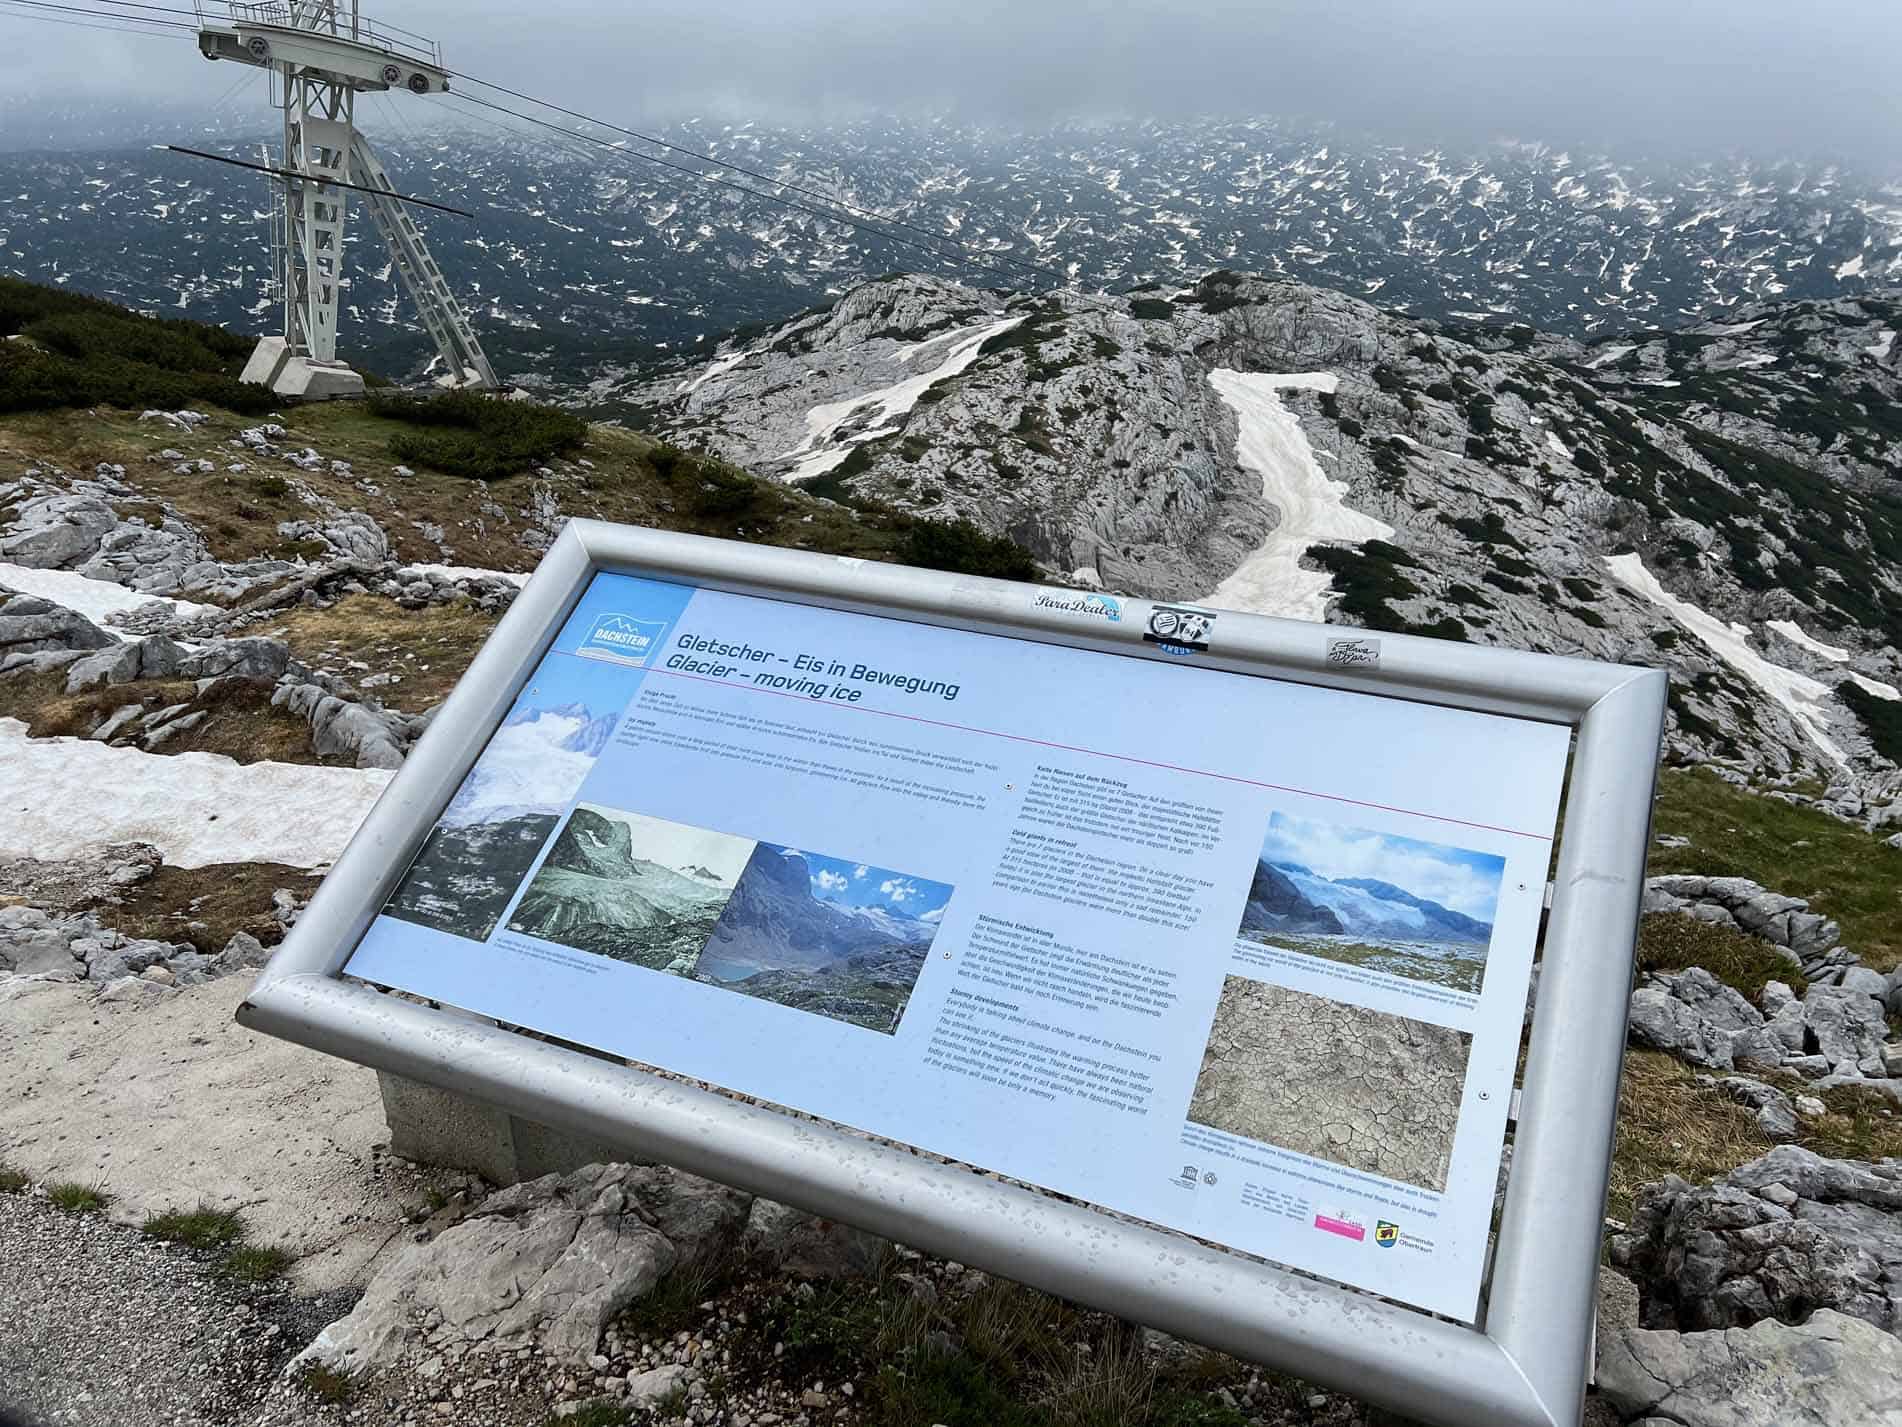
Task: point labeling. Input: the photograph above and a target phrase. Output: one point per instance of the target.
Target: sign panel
(1242, 957)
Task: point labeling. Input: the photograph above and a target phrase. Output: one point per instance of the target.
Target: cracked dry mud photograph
(1355, 1087)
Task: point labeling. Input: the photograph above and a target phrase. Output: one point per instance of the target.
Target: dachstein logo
(1090, 606)
(621, 639)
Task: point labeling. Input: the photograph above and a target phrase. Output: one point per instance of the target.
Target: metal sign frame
(1525, 1363)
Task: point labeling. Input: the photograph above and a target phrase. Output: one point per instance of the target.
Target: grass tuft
(77, 1198)
(252, 1263)
(12, 1181)
(1669, 1124)
(1671, 942)
(200, 1228)
(326, 1384)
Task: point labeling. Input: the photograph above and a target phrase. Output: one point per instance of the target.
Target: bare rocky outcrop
(48, 946)
(1774, 1239)
(548, 1262)
(31, 625)
(1830, 1371)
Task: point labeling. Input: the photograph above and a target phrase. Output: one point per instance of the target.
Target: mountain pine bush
(469, 434)
(60, 349)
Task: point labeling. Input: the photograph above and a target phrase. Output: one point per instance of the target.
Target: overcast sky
(1816, 79)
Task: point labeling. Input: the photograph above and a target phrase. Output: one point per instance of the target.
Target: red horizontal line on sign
(1099, 753)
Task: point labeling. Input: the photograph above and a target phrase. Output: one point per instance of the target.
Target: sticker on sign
(1351, 653)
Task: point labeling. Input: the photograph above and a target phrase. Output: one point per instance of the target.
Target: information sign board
(1107, 898)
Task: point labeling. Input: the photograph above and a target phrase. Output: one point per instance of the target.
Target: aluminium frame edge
(1525, 1366)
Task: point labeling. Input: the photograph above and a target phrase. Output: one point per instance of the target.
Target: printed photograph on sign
(1340, 1083)
(633, 888)
(1422, 910)
(841, 939)
(488, 837)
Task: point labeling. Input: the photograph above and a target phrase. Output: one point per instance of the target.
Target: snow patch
(1313, 508)
(885, 408)
(1880, 348)
(96, 599)
(1874, 686)
(1557, 447)
(461, 572)
(719, 367)
(1801, 695)
(526, 769)
(1852, 268)
(59, 796)
(1796, 636)
(1609, 355)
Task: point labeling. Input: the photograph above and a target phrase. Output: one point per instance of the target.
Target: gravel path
(102, 1327)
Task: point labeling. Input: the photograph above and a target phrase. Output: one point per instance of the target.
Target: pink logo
(1341, 1227)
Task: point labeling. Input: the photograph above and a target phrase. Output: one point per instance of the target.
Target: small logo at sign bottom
(1342, 1223)
(1386, 1234)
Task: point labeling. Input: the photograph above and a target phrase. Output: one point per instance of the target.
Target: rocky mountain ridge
(1725, 500)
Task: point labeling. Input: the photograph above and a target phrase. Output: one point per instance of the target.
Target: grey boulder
(1831, 1371)
(31, 625)
(546, 1263)
(1786, 1233)
(1692, 1014)
(807, 1246)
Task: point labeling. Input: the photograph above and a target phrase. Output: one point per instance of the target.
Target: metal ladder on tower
(448, 327)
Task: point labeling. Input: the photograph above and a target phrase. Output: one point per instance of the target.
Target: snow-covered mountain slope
(575, 254)
(535, 764)
(1286, 449)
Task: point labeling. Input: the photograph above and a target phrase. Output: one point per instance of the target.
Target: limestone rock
(33, 944)
(1831, 1371)
(30, 625)
(651, 1388)
(1846, 1027)
(807, 1246)
(1693, 1014)
(545, 1263)
(1776, 1116)
(1783, 1234)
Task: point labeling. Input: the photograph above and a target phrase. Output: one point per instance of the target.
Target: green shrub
(467, 433)
(1151, 309)
(960, 547)
(80, 351)
(12, 1181)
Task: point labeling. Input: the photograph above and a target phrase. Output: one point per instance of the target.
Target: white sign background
(1244, 746)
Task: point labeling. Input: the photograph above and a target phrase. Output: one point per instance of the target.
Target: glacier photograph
(499, 820)
(633, 888)
(840, 939)
(1398, 905)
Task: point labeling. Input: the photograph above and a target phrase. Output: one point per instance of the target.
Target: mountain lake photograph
(1419, 910)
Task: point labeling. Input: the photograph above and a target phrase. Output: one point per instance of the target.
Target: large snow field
(1270, 442)
(61, 795)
